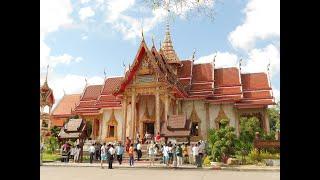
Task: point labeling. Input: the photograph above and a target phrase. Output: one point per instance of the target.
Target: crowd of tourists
(170, 154)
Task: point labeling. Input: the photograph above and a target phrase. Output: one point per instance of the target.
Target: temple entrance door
(148, 127)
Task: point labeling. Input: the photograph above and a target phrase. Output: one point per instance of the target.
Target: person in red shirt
(128, 142)
(158, 137)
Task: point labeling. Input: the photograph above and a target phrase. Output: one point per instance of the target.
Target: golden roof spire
(167, 47)
(47, 73)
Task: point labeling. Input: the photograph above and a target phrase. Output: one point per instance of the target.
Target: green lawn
(50, 157)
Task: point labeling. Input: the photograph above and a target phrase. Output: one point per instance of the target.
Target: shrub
(207, 161)
(255, 156)
(222, 141)
(51, 144)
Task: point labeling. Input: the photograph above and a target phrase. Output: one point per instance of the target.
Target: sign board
(266, 144)
(145, 79)
(177, 121)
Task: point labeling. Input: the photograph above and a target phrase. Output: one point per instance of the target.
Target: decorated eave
(159, 64)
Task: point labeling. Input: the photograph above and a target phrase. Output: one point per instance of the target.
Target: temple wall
(150, 102)
(106, 117)
(228, 110)
(201, 112)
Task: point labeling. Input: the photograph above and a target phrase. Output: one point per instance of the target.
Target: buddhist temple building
(64, 109)
(176, 97)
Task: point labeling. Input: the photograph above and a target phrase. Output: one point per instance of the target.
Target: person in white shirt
(92, 150)
(111, 152)
(152, 152)
(165, 152)
(139, 152)
(103, 154)
(195, 153)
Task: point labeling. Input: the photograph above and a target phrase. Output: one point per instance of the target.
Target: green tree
(274, 117)
(89, 128)
(51, 144)
(186, 8)
(222, 141)
(55, 131)
(248, 128)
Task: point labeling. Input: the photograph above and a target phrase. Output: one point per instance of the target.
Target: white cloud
(84, 1)
(78, 59)
(276, 94)
(46, 58)
(85, 13)
(259, 59)
(262, 22)
(116, 7)
(84, 36)
(223, 59)
(54, 14)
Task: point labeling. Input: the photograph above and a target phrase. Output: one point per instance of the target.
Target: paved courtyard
(96, 173)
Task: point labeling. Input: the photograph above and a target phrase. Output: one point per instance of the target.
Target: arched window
(112, 126)
(220, 116)
(195, 122)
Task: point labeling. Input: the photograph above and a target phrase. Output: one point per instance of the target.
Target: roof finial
(268, 71)
(47, 73)
(214, 60)
(152, 38)
(193, 55)
(268, 67)
(142, 34)
(124, 67)
(105, 74)
(85, 79)
(160, 44)
(64, 92)
(240, 64)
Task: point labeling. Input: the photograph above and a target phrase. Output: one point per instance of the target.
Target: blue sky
(81, 38)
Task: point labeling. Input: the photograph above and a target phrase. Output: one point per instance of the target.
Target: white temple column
(166, 107)
(133, 107)
(124, 123)
(207, 121)
(266, 121)
(177, 107)
(157, 125)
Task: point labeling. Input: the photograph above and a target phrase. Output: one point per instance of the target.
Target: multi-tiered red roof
(187, 79)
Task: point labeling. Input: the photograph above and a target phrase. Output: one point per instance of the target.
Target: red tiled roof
(59, 122)
(202, 81)
(202, 72)
(65, 105)
(186, 69)
(255, 81)
(107, 99)
(226, 77)
(92, 92)
(111, 84)
(256, 91)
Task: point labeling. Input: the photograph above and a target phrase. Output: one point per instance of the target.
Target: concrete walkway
(162, 166)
